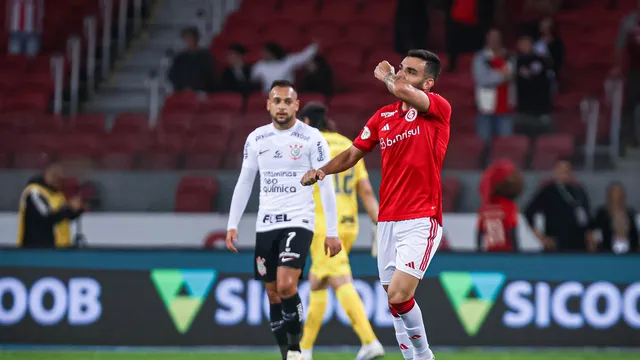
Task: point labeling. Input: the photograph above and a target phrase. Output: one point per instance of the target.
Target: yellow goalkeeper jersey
(344, 184)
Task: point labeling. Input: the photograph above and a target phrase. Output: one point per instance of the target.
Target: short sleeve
(250, 159)
(368, 137)
(361, 171)
(439, 107)
(320, 154)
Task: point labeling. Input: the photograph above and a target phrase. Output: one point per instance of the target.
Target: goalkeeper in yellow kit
(335, 271)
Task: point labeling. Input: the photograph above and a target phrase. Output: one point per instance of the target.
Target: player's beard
(283, 123)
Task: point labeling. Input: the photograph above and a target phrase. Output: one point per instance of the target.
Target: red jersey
(498, 224)
(413, 146)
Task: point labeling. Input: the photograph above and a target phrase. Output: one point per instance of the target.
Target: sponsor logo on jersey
(289, 254)
(262, 269)
(263, 151)
(388, 114)
(264, 136)
(270, 185)
(275, 218)
(296, 151)
(386, 142)
(366, 133)
(300, 136)
(246, 150)
(320, 151)
(279, 174)
(385, 128)
(412, 114)
(277, 155)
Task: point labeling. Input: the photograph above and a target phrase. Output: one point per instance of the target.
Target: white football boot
(294, 355)
(307, 354)
(370, 351)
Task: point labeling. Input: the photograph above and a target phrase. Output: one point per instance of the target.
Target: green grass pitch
(8, 355)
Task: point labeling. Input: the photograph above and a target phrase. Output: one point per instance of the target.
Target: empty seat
(450, 193)
(514, 148)
(94, 124)
(465, 152)
(69, 186)
(163, 153)
(229, 102)
(131, 123)
(186, 101)
(195, 194)
(549, 148)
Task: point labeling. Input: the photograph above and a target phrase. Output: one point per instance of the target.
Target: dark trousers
(631, 114)
(411, 26)
(462, 39)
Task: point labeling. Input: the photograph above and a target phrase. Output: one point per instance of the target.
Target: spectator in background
(237, 76)
(564, 204)
(277, 65)
(534, 90)
(318, 76)
(500, 184)
(495, 94)
(192, 68)
(25, 26)
(616, 223)
(549, 44)
(44, 212)
(467, 21)
(411, 26)
(629, 40)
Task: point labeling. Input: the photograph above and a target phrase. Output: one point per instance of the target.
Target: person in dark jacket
(192, 69)
(44, 213)
(617, 223)
(564, 204)
(317, 77)
(237, 76)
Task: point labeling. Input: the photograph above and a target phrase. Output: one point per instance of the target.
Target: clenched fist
(383, 70)
(332, 246)
(312, 176)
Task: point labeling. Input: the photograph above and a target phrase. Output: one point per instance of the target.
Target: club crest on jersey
(296, 151)
(366, 133)
(262, 270)
(412, 114)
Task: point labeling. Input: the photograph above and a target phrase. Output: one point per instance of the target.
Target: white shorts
(407, 245)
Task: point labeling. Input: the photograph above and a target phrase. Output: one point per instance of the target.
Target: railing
(590, 113)
(91, 34)
(57, 69)
(73, 53)
(107, 19)
(614, 97)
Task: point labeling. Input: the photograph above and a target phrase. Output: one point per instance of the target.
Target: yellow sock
(317, 306)
(352, 305)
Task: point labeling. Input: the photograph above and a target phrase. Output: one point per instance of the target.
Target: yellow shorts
(323, 266)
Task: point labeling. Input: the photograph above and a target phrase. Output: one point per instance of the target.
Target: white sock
(403, 339)
(414, 326)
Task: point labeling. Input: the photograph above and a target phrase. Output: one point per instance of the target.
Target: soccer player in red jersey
(413, 134)
(500, 184)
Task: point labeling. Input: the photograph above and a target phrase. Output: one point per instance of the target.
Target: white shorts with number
(407, 245)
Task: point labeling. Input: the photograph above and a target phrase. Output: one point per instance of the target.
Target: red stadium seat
(514, 148)
(120, 151)
(349, 124)
(163, 153)
(450, 193)
(324, 31)
(93, 124)
(175, 123)
(229, 102)
(214, 123)
(338, 11)
(131, 123)
(31, 160)
(203, 161)
(5, 160)
(181, 102)
(195, 195)
(41, 123)
(367, 34)
(309, 97)
(464, 152)
(70, 186)
(257, 102)
(78, 147)
(549, 148)
(353, 102)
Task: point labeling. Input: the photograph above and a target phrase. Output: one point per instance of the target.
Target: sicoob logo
(472, 311)
(183, 292)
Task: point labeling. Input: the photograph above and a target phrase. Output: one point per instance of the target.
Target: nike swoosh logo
(262, 152)
(286, 259)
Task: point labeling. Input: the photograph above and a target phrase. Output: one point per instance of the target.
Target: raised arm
(345, 160)
(401, 89)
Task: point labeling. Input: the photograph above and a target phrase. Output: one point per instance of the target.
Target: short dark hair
(316, 112)
(275, 49)
(282, 83)
(432, 66)
(239, 48)
(191, 31)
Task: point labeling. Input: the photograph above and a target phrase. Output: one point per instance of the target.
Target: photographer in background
(45, 213)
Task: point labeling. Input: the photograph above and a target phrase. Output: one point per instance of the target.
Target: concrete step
(127, 81)
(117, 101)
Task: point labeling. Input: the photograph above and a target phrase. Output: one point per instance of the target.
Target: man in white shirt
(282, 152)
(275, 64)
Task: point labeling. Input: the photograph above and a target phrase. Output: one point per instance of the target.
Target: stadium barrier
(196, 298)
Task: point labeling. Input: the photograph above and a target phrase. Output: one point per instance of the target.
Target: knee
(272, 294)
(398, 295)
(287, 287)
